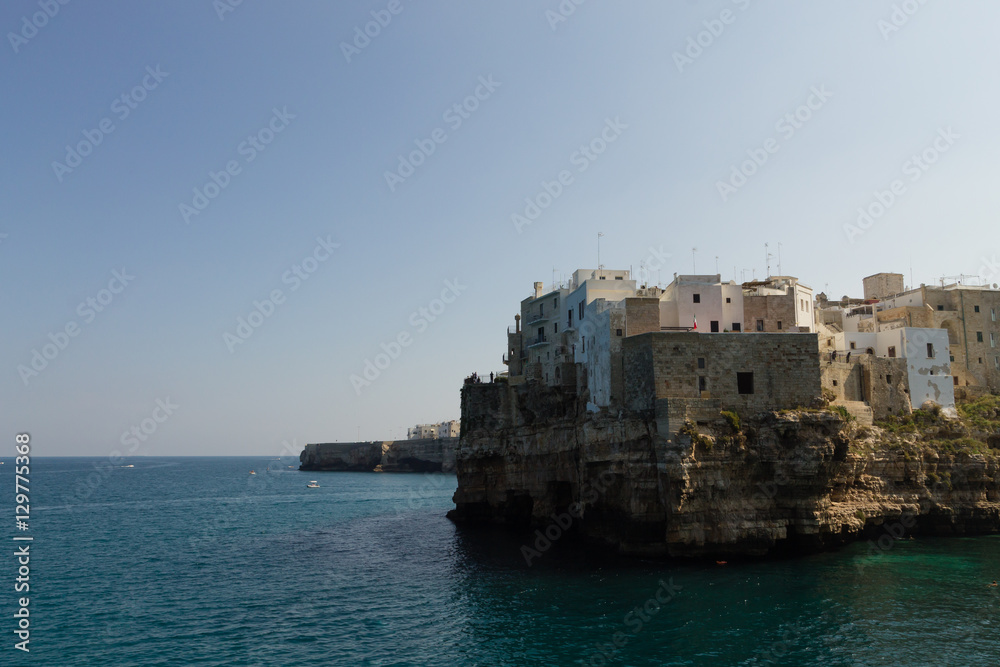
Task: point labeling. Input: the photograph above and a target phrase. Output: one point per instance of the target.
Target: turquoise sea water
(192, 561)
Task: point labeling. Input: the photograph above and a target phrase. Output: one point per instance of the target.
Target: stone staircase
(860, 410)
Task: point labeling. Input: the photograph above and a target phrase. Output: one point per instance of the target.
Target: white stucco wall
(930, 377)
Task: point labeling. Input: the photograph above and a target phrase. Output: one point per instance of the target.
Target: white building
(927, 356)
(448, 429)
(716, 306)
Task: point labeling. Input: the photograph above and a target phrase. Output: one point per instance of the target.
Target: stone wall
(770, 308)
(780, 371)
(882, 285)
(642, 315)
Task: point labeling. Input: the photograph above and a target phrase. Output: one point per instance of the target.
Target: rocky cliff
(792, 481)
(425, 455)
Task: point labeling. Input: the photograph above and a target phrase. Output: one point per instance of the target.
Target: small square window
(760, 325)
(744, 383)
(979, 336)
(888, 379)
(779, 325)
(892, 352)
(618, 332)
(940, 307)
(834, 383)
(737, 327)
(697, 298)
(854, 345)
(729, 300)
(976, 308)
(701, 362)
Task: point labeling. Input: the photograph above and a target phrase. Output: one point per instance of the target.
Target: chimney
(538, 290)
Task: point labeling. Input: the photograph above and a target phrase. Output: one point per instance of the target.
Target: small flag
(695, 322)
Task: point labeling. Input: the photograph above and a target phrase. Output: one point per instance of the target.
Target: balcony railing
(540, 340)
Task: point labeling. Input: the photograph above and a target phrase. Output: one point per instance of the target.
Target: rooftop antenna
(599, 267)
(717, 265)
(779, 259)
(694, 266)
(767, 260)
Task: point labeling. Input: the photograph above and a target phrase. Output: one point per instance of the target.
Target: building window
(979, 336)
(714, 326)
(760, 325)
(701, 362)
(541, 309)
(603, 278)
(779, 325)
(737, 327)
(728, 300)
(854, 345)
(888, 379)
(993, 314)
(697, 298)
(930, 351)
(555, 303)
(569, 318)
(583, 344)
(581, 311)
(993, 339)
(619, 278)
(940, 307)
(892, 352)
(980, 360)
(834, 383)
(976, 308)
(996, 362)
(702, 383)
(618, 332)
(744, 383)
(555, 327)
(955, 378)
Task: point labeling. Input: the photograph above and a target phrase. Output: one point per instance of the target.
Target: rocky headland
(770, 483)
(419, 455)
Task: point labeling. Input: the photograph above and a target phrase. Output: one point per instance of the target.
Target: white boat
(129, 466)
(252, 472)
(312, 485)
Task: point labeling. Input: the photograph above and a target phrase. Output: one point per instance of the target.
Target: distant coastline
(413, 455)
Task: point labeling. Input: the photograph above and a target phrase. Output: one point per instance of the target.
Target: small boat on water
(128, 466)
(312, 485)
(252, 472)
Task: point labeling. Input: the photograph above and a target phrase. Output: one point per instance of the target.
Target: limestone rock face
(426, 455)
(352, 456)
(777, 483)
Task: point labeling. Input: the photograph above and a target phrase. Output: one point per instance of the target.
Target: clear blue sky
(680, 126)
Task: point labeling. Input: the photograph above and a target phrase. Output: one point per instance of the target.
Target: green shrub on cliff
(733, 420)
(697, 439)
(842, 411)
(982, 414)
